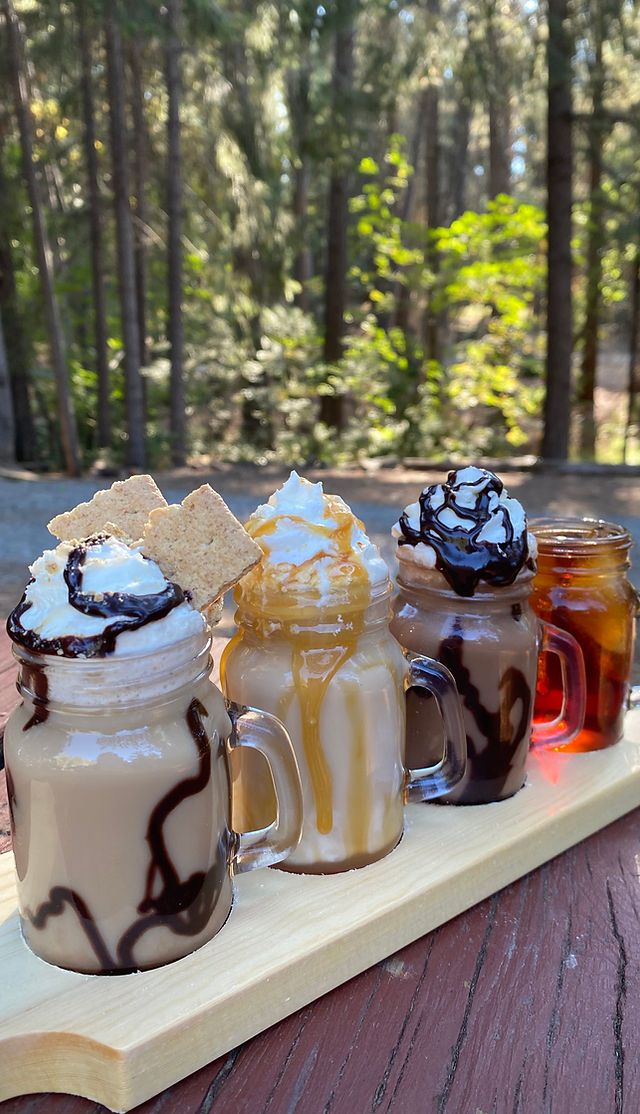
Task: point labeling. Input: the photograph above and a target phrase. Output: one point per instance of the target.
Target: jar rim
(99, 685)
(289, 605)
(431, 580)
(578, 535)
(200, 641)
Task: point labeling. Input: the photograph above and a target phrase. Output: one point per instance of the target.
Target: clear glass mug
(582, 586)
(336, 678)
(118, 774)
(491, 643)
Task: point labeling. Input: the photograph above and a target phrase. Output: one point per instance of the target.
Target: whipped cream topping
(115, 578)
(468, 528)
(311, 540)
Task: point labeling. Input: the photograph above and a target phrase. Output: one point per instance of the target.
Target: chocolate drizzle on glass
(34, 678)
(489, 766)
(59, 897)
(462, 556)
(11, 792)
(129, 612)
(184, 907)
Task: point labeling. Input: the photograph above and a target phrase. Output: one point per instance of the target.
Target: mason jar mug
(118, 772)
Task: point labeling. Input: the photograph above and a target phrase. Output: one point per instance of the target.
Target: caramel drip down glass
(330, 670)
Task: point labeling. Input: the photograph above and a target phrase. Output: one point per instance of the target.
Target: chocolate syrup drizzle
(130, 612)
(494, 762)
(460, 557)
(34, 678)
(183, 907)
(11, 792)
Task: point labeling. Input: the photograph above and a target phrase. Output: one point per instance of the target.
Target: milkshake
(466, 565)
(314, 648)
(118, 760)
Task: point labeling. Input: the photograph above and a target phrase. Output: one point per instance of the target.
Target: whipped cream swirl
(311, 541)
(98, 598)
(469, 529)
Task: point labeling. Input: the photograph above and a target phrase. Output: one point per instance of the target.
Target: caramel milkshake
(314, 648)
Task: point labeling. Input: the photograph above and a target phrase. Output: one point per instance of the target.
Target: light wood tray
(289, 939)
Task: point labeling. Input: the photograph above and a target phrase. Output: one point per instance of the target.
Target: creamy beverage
(314, 648)
(466, 567)
(118, 765)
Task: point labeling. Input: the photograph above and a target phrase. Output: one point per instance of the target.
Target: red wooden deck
(527, 1004)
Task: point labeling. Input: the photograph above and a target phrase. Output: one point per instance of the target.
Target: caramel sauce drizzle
(317, 657)
(359, 800)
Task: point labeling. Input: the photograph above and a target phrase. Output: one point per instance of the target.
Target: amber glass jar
(582, 586)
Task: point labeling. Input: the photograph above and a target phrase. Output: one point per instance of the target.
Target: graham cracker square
(127, 504)
(200, 545)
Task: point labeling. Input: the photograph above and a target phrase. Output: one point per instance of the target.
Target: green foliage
(483, 273)
(443, 343)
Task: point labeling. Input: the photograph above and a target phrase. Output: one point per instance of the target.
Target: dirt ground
(28, 502)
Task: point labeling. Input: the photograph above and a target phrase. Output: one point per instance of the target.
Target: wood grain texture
(294, 938)
(526, 1004)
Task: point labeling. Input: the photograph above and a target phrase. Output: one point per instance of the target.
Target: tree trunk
(595, 246)
(634, 335)
(401, 291)
(16, 345)
(174, 210)
(303, 266)
(432, 168)
(297, 85)
(95, 234)
(7, 425)
(557, 407)
(332, 408)
(499, 144)
(125, 242)
(140, 174)
(459, 156)
(66, 416)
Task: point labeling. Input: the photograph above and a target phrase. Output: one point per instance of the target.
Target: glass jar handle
(433, 781)
(569, 722)
(258, 730)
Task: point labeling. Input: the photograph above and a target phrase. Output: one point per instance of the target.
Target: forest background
(244, 230)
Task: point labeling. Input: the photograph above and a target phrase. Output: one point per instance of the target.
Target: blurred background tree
(257, 229)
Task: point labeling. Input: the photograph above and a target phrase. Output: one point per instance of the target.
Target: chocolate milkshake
(313, 647)
(466, 567)
(118, 759)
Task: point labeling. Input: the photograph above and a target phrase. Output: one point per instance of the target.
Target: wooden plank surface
(289, 939)
(527, 1003)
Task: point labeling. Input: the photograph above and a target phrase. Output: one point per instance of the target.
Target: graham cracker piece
(113, 531)
(125, 505)
(200, 545)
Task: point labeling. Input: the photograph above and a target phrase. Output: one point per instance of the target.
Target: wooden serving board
(289, 939)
